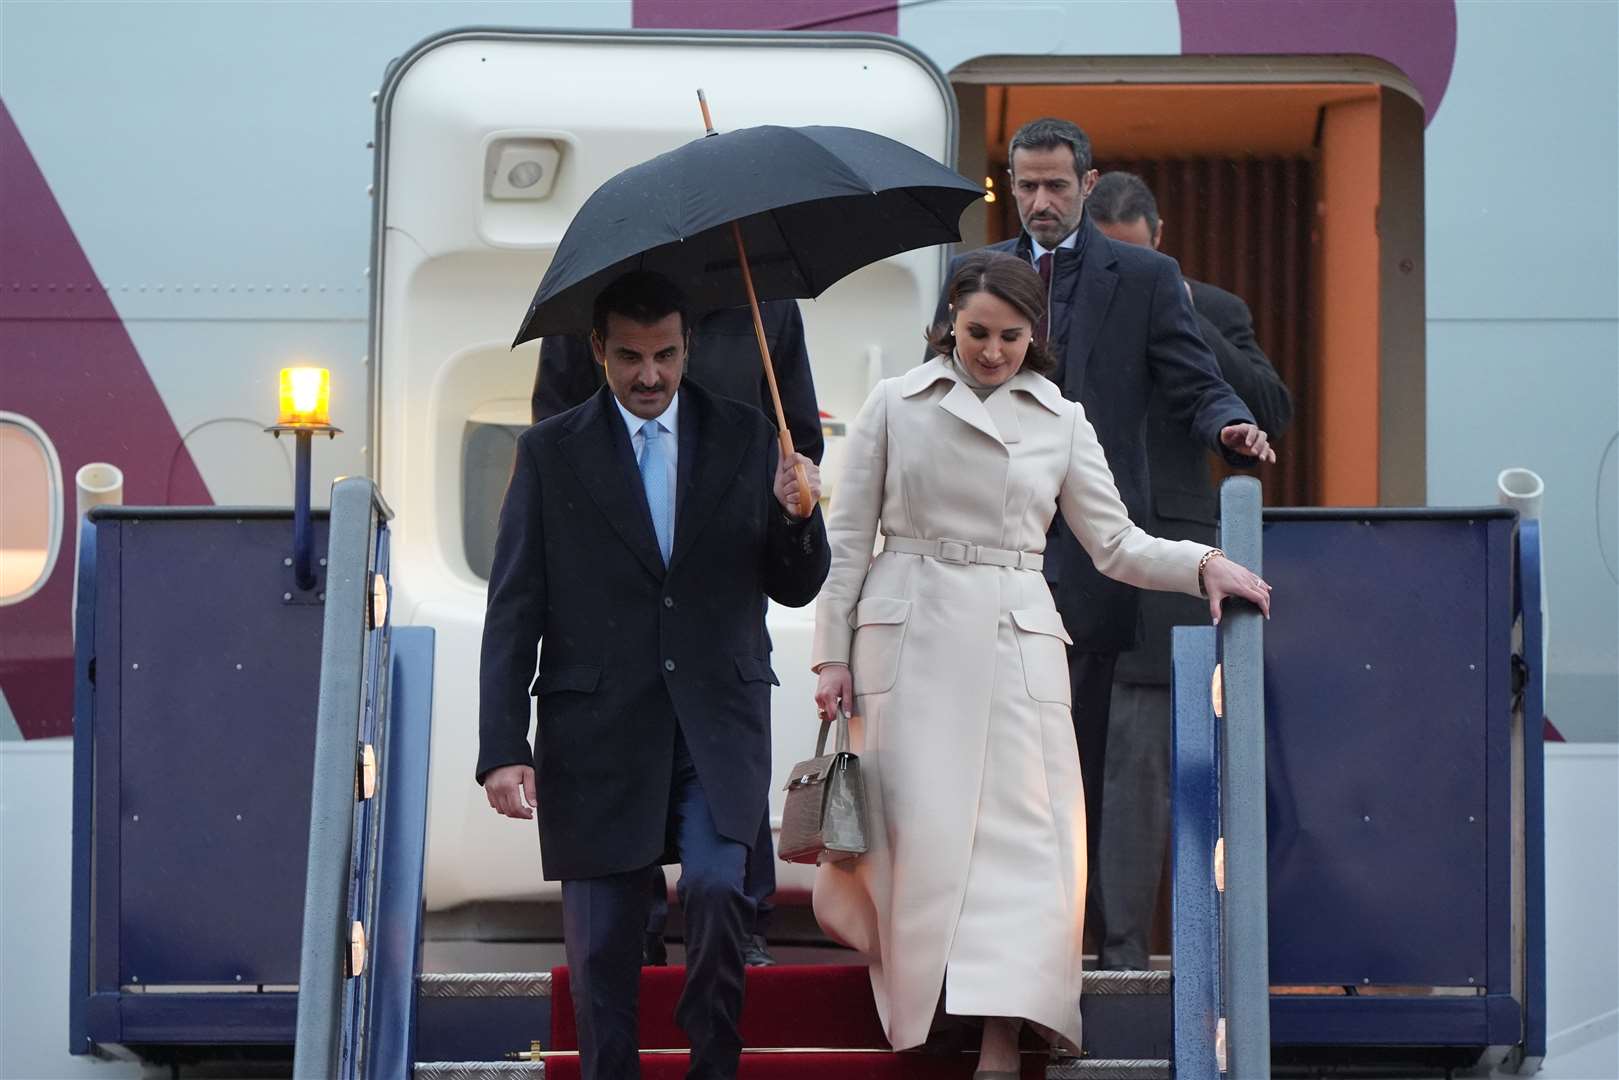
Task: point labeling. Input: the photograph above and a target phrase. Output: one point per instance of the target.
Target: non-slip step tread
(539, 983)
(1082, 1069)
(491, 984)
(1131, 983)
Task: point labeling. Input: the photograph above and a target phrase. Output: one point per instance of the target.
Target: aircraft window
(487, 454)
(31, 518)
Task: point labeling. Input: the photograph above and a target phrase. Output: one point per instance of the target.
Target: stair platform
(1127, 1027)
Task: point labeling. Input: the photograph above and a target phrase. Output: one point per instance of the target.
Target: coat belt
(964, 553)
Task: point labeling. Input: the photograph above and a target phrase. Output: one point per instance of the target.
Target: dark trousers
(761, 886)
(1092, 680)
(602, 919)
(1135, 830)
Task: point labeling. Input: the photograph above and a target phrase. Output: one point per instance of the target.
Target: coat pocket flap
(579, 679)
(880, 610)
(753, 669)
(1042, 621)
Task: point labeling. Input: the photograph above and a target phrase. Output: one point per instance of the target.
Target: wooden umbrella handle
(806, 503)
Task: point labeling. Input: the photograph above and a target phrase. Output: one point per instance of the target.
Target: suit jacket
(724, 359)
(1122, 327)
(632, 649)
(1185, 505)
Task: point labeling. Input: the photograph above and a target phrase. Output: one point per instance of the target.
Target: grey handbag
(825, 816)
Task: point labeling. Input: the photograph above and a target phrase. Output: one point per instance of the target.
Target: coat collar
(1080, 298)
(1091, 296)
(597, 445)
(996, 415)
(711, 450)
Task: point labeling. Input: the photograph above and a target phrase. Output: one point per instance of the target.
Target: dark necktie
(1042, 329)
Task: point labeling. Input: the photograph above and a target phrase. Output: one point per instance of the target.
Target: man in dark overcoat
(723, 358)
(640, 535)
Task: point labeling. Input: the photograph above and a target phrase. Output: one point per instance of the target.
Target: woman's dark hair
(1007, 278)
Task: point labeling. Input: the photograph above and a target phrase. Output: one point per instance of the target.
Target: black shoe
(755, 953)
(654, 953)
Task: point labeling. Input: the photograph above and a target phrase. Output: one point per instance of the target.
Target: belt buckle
(955, 552)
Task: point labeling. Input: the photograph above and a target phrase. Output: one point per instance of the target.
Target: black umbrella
(772, 213)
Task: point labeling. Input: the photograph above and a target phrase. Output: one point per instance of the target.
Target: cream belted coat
(974, 883)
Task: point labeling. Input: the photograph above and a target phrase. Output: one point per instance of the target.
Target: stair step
(468, 1017)
(1087, 1069)
(788, 1067)
(502, 984)
(781, 1005)
(833, 1000)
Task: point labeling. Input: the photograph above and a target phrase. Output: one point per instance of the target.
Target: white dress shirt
(1036, 249)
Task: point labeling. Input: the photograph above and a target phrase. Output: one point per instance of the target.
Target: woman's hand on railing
(834, 690)
(1222, 578)
(510, 790)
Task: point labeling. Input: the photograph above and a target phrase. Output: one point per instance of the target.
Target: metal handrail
(1195, 901)
(358, 520)
(1245, 948)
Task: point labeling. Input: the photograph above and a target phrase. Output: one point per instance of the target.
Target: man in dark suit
(723, 358)
(640, 535)
(1184, 506)
(1121, 327)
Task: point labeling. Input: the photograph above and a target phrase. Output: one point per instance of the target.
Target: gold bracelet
(1202, 564)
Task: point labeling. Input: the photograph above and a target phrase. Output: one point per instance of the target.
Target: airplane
(215, 197)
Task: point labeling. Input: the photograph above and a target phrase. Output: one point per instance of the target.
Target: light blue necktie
(655, 478)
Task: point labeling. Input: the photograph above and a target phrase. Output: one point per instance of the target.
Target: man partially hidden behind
(724, 357)
(1135, 814)
(640, 535)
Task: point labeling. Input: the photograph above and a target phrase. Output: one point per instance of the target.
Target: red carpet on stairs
(814, 1007)
(801, 1066)
(782, 1006)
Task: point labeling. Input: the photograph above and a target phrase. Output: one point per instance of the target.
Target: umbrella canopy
(814, 205)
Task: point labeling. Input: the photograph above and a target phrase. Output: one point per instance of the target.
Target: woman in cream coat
(974, 884)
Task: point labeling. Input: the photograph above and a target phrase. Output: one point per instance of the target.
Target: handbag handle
(843, 734)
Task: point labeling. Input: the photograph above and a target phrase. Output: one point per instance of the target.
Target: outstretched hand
(1248, 440)
(510, 790)
(1223, 578)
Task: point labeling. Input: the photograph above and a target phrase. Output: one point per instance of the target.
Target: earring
(952, 331)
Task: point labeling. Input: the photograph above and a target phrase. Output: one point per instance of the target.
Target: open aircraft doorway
(1296, 184)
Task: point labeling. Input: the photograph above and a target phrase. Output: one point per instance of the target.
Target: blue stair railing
(367, 829)
(1221, 996)
(1531, 721)
(1245, 952)
(1440, 608)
